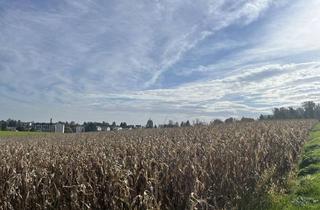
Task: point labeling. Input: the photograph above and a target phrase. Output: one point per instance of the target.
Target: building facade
(80, 129)
(59, 128)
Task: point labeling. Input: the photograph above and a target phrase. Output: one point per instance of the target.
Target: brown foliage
(206, 167)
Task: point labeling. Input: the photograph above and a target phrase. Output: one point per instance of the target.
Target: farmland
(227, 166)
(20, 133)
(304, 193)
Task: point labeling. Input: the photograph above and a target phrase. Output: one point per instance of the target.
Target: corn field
(207, 167)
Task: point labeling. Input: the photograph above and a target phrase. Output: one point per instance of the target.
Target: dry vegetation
(209, 167)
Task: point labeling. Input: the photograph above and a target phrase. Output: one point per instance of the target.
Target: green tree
(123, 125)
(317, 111)
(149, 124)
(229, 120)
(3, 125)
(309, 107)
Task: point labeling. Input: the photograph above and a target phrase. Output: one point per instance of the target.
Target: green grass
(19, 133)
(305, 191)
(316, 127)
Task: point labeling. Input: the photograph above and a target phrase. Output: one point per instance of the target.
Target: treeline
(10, 123)
(307, 110)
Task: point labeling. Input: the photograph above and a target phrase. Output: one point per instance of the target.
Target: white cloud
(96, 46)
(297, 31)
(103, 55)
(249, 90)
(214, 19)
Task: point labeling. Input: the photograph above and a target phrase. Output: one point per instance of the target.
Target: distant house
(11, 129)
(59, 128)
(130, 127)
(99, 128)
(116, 128)
(106, 128)
(80, 129)
(43, 127)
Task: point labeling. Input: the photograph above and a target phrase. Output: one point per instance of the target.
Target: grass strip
(19, 133)
(305, 191)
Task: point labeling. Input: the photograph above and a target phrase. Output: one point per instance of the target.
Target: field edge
(304, 187)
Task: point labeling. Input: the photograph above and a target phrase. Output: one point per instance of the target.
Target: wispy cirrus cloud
(250, 91)
(114, 59)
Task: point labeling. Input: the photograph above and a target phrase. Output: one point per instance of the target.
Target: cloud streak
(250, 90)
(113, 58)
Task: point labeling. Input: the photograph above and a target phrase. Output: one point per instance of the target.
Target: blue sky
(95, 60)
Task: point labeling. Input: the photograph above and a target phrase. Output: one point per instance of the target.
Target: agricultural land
(226, 166)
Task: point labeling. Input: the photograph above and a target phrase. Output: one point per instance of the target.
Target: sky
(123, 60)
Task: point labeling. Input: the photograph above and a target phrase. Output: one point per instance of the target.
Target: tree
(292, 113)
(185, 124)
(11, 123)
(309, 107)
(229, 120)
(170, 124)
(216, 122)
(284, 113)
(276, 113)
(262, 117)
(246, 119)
(90, 126)
(317, 111)
(300, 112)
(68, 129)
(123, 125)
(20, 128)
(149, 124)
(3, 125)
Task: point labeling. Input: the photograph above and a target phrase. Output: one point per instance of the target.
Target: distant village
(65, 127)
(72, 127)
(308, 110)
